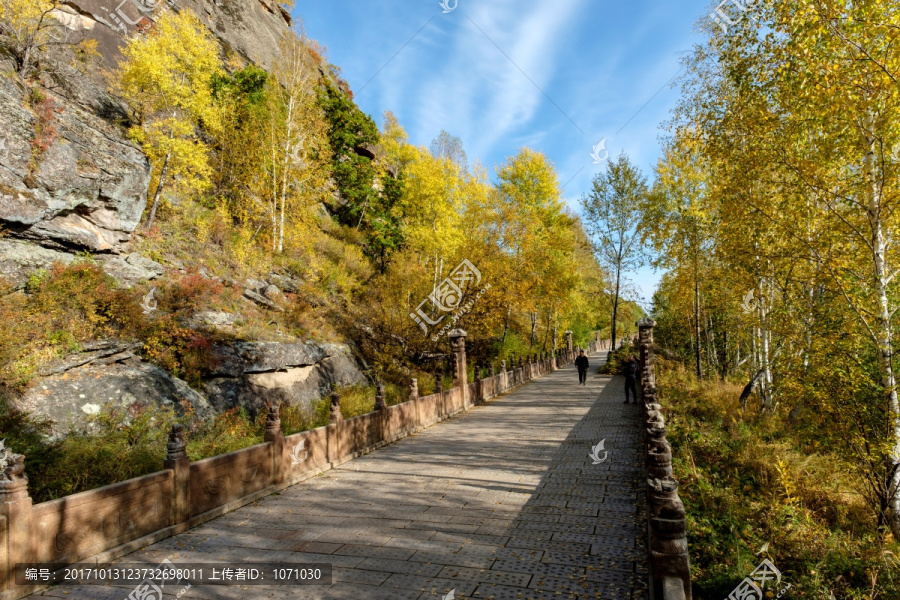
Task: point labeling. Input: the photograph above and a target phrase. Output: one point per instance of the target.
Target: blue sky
(558, 76)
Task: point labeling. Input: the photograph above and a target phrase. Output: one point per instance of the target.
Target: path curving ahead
(500, 502)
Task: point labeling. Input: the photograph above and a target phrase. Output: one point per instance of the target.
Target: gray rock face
(261, 300)
(18, 259)
(87, 190)
(253, 374)
(131, 269)
(69, 397)
(286, 284)
(252, 29)
(212, 319)
(250, 375)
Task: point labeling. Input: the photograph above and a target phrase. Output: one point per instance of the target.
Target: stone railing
(670, 570)
(102, 524)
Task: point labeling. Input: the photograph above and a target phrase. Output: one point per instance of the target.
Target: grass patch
(752, 490)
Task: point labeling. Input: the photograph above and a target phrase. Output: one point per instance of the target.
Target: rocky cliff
(71, 181)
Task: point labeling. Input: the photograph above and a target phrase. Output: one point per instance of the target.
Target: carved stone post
(335, 431)
(379, 396)
(381, 411)
(569, 342)
(178, 461)
(461, 374)
(504, 378)
(439, 389)
(669, 558)
(414, 398)
(479, 385)
(15, 519)
(646, 358)
(335, 416)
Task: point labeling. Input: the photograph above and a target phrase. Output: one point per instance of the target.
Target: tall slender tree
(612, 212)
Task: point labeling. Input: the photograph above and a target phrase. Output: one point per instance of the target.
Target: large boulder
(18, 259)
(82, 384)
(254, 374)
(131, 269)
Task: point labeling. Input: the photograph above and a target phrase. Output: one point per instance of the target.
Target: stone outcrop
(248, 374)
(131, 269)
(19, 259)
(253, 374)
(86, 189)
(82, 384)
(250, 29)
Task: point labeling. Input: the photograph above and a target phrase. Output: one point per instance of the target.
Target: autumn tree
(612, 212)
(31, 29)
(166, 77)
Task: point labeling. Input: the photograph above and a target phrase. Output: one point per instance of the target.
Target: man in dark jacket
(582, 364)
(631, 368)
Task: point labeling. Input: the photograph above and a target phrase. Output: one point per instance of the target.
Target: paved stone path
(501, 502)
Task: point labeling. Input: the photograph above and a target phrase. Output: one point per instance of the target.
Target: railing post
(503, 377)
(439, 389)
(16, 541)
(479, 383)
(670, 571)
(381, 411)
(414, 397)
(461, 375)
(334, 430)
(178, 461)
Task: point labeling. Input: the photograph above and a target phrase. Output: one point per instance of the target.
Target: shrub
(616, 361)
(752, 490)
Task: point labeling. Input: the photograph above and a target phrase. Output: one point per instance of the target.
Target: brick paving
(501, 502)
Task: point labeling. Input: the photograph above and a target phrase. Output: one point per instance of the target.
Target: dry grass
(751, 492)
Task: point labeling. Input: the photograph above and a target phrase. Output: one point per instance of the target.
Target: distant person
(581, 363)
(631, 368)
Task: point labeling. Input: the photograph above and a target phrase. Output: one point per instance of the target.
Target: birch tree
(612, 213)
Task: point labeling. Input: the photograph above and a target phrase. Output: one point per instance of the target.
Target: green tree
(612, 211)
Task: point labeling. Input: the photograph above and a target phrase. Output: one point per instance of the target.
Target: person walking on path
(631, 372)
(582, 364)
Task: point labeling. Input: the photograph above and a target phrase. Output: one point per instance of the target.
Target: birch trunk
(162, 181)
(883, 330)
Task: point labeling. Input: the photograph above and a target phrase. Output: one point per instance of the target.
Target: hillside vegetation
(258, 173)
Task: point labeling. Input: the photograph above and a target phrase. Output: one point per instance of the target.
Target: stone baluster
(275, 437)
(379, 396)
(16, 534)
(414, 398)
(669, 558)
(335, 416)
